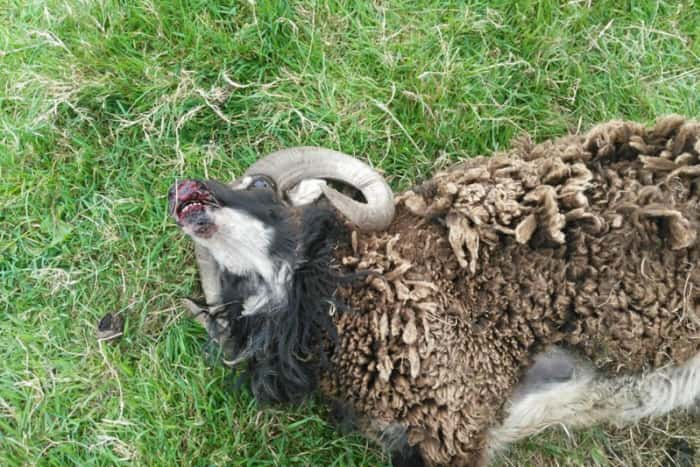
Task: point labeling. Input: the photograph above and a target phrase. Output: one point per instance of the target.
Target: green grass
(103, 103)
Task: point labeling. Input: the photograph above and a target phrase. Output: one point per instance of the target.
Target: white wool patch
(241, 245)
(588, 399)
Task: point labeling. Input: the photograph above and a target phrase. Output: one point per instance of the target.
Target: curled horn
(288, 167)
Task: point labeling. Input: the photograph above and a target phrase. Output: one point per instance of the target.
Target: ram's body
(554, 283)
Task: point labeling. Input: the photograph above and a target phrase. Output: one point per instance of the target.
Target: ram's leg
(215, 327)
(198, 312)
(555, 389)
(549, 397)
(209, 274)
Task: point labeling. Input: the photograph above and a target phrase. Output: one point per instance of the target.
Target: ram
(552, 284)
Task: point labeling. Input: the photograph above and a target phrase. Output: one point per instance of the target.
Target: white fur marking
(586, 400)
(306, 192)
(241, 243)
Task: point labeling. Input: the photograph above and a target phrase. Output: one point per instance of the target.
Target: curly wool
(587, 241)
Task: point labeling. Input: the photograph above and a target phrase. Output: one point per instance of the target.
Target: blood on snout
(185, 191)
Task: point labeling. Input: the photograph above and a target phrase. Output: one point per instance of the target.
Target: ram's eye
(261, 183)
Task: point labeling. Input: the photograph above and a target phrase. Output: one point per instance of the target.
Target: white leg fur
(587, 399)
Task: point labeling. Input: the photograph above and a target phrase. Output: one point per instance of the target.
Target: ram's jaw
(192, 204)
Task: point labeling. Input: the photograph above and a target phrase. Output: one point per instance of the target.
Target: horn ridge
(287, 167)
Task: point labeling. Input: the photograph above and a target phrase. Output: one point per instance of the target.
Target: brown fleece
(587, 241)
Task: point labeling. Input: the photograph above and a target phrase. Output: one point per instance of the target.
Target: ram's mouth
(187, 208)
(188, 202)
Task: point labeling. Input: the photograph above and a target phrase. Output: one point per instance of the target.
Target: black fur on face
(287, 349)
(283, 349)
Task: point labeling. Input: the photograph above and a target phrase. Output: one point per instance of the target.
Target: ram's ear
(306, 192)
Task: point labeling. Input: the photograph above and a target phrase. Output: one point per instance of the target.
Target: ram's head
(290, 177)
(247, 225)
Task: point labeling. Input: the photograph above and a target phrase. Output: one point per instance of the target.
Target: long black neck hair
(284, 351)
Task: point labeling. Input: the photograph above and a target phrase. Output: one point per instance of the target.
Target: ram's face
(248, 227)
(201, 208)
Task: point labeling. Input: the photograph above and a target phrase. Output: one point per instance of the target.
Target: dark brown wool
(587, 241)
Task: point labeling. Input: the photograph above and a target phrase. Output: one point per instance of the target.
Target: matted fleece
(587, 241)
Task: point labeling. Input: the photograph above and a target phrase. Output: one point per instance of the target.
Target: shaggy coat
(587, 242)
(553, 283)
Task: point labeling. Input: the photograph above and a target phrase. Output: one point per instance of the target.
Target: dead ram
(553, 284)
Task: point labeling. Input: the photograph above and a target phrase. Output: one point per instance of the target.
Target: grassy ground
(103, 103)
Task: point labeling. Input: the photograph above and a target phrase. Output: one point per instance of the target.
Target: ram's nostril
(187, 187)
